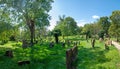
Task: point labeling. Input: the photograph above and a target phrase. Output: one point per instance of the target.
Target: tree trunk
(31, 26)
(56, 38)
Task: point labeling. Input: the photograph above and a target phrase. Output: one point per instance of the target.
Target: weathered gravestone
(69, 59)
(51, 44)
(71, 56)
(20, 63)
(108, 42)
(74, 53)
(93, 43)
(100, 39)
(9, 53)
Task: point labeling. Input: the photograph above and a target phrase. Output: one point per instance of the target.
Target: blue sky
(83, 11)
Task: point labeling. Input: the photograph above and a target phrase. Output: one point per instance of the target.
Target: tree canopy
(115, 24)
(32, 12)
(67, 25)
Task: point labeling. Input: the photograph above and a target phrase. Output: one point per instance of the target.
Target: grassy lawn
(43, 57)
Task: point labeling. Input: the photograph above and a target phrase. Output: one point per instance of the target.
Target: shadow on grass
(88, 58)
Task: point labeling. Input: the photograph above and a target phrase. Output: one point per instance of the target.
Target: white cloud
(95, 17)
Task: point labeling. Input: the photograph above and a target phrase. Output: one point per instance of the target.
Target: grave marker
(9, 53)
(20, 63)
(71, 56)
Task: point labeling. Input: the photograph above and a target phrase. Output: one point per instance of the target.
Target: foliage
(115, 24)
(33, 13)
(101, 34)
(105, 24)
(67, 25)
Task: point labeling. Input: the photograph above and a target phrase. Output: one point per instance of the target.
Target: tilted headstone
(9, 53)
(20, 63)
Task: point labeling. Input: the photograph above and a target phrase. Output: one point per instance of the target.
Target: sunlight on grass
(43, 57)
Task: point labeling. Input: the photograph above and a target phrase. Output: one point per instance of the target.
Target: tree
(104, 22)
(101, 34)
(67, 25)
(115, 24)
(87, 30)
(5, 25)
(32, 12)
(91, 29)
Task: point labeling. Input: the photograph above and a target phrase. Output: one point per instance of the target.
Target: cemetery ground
(41, 56)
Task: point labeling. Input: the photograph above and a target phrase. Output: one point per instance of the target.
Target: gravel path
(116, 45)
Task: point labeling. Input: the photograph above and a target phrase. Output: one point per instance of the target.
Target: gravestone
(74, 53)
(100, 39)
(36, 41)
(20, 63)
(63, 44)
(109, 42)
(24, 44)
(71, 56)
(51, 44)
(9, 53)
(68, 43)
(75, 43)
(69, 59)
(71, 42)
(106, 47)
(93, 43)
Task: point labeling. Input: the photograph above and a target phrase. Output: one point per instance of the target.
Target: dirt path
(116, 45)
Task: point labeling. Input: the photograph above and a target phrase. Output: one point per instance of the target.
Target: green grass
(43, 57)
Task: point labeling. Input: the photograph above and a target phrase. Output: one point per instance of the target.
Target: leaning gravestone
(71, 56)
(69, 59)
(9, 53)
